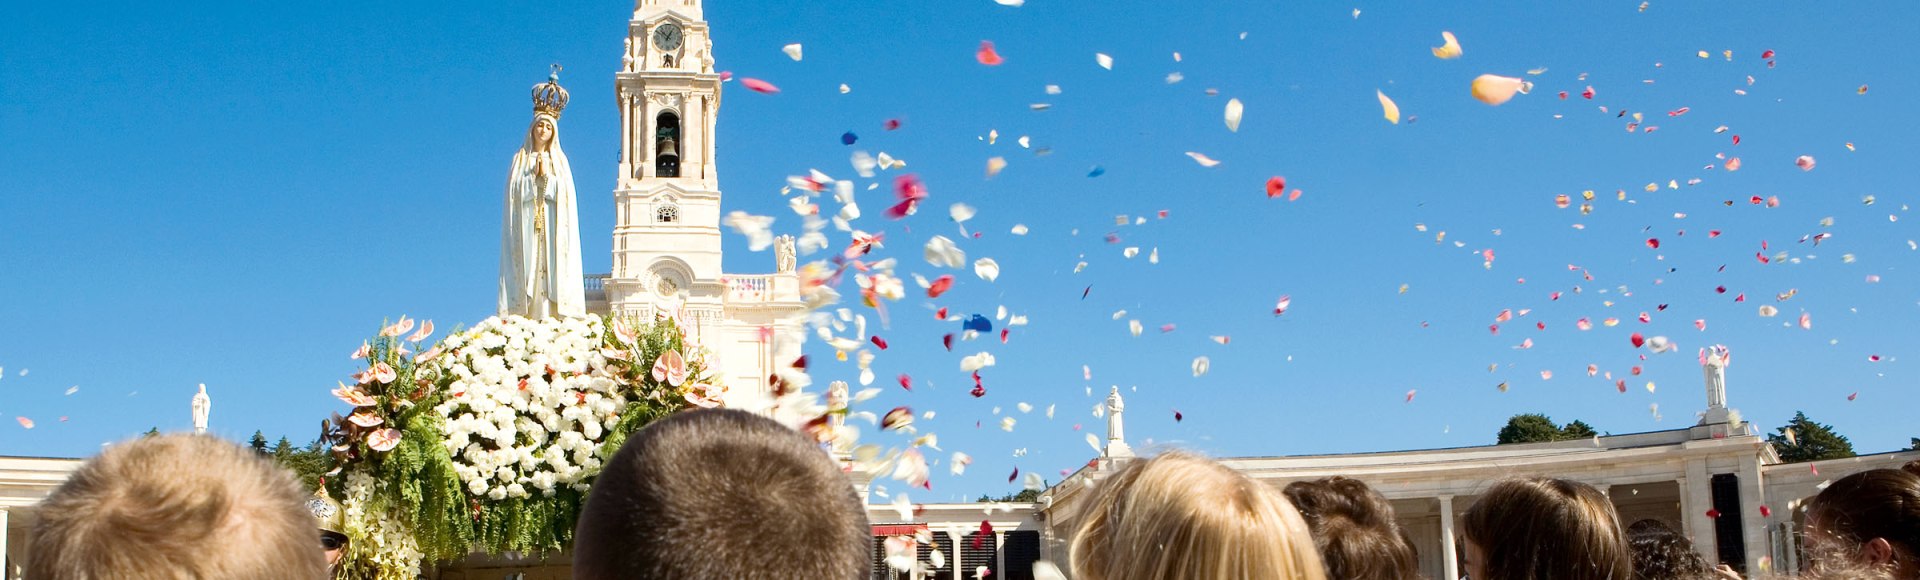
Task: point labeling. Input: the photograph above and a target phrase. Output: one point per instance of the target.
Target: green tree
(1577, 430)
(308, 464)
(258, 443)
(1810, 441)
(154, 432)
(1536, 428)
(1025, 495)
(1916, 443)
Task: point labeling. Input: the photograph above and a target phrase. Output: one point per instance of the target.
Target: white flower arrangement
(394, 553)
(531, 401)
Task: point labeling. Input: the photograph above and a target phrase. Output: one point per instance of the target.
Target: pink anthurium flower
(382, 372)
(362, 352)
(365, 419)
(353, 396)
(384, 440)
(426, 330)
(670, 368)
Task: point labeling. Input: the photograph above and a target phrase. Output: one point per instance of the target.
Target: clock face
(667, 36)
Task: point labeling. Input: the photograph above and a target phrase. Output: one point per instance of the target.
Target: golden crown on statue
(548, 97)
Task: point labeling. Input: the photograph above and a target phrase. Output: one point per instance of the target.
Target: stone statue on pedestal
(202, 406)
(1714, 362)
(540, 242)
(1116, 434)
(784, 258)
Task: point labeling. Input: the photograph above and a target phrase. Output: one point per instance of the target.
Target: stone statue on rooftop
(202, 406)
(1116, 431)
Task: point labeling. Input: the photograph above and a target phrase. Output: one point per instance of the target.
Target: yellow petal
(1450, 50)
(1496, 89)
(994, 166)
(1387, 107)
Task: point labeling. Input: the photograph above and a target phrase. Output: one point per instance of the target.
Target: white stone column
(1449, 556)
(999, 554)
(1751, 497)
(1697, 498)
(6, 568)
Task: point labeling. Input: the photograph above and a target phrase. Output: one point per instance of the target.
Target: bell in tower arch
(666, 145)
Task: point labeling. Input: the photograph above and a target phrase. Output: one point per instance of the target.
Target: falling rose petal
(1497, 90)
(986, 55)
(1449, 50)
(1700, 323)
(1280, 307)
(986, 269)
(1234, 109)
(24, 422)
(1593, 370)
(1276, 185)
(1295, 196)
(906, 382)
(1387, 108)
(1202, 159)
(1221, 339)
(940, 286)
(1583, 324)
(759, 86)
(792, 50)
(1806, 321)
(1103, 60)
(1805, 162)
(878, 342)
(1637, 339)
(1873, 358)
(1410, 393)
(1201, 365)
(1854, 395)
(1546, 375)
(1653, 243)
(1765, 512)
(1177, 417)
(849, 138)
(1713, 513)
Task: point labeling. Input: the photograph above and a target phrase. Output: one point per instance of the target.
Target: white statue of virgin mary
(540, 240)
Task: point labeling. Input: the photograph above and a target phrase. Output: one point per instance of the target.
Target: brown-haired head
(176, 506)
(1354, 529)
(722, 493)
(1546, 528)
(1660, 553)
(1871, 518)
(1181, 516)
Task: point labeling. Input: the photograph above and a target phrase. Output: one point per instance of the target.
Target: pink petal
(759, 86)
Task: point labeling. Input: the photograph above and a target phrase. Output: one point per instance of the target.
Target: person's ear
(1877, 551)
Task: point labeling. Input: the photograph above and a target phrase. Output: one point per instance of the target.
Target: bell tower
(666, 238)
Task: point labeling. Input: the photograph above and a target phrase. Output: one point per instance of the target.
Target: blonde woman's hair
(1181, 516)
(176, 507)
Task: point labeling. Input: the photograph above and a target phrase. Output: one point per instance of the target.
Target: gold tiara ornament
(548, 97)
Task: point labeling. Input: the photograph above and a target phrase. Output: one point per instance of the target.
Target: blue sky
(236, 193)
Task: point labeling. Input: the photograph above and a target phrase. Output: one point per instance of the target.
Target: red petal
(948, 341)
(987, 56)
(906, 382)
(1003, 335)
(1276, 185)
(1765, 512)
(879, 342)
(940, 286)
(1637, 340)
(1653, 243)
(1713, 513)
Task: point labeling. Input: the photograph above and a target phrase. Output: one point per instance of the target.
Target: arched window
(666, 145)
(667, 214)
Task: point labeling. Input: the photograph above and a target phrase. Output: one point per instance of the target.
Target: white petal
(792, 50)
(986, 269)
(1233, 115)
(1105, 61)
